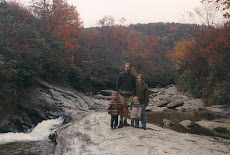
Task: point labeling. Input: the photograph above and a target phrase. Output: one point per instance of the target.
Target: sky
(134, 11)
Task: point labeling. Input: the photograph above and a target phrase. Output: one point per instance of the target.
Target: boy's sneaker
(144, 128)
(114, 127)
(125, 123)
(121, 124)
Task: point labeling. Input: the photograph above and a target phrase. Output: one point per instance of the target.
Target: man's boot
(121, 124)
(125, 123)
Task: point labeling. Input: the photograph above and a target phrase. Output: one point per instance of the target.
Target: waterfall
(40, 132)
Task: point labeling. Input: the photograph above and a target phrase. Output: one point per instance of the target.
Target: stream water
(35, 142)
(176, 117)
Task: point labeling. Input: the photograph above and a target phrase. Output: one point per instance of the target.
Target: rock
(216, 126)
(172, 91)
(168, 123)
(99, 96)
(175, 104)
(53, 137)
(153, 90)
(211, 113)
(148, 108)
(191, 105)
(92, 135)
(106, 92)
(152, 95)
(162, 103)
(186, 123)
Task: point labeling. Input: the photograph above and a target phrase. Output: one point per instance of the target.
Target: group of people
(129, 93)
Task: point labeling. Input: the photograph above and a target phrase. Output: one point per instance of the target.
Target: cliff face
(45, 101)
(92, 135)
(28, 113)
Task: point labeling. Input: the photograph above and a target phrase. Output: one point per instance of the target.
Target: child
(136, 112)
(115, 108)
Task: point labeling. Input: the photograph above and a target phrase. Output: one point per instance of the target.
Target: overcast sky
(135, 11)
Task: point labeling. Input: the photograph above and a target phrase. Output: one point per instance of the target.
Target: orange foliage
(182, 48)
(61, 19)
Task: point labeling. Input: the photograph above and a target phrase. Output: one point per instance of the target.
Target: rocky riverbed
(86, 125)
(92, 135)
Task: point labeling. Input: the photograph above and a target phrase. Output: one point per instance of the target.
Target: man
(142, 91)
(126, 86)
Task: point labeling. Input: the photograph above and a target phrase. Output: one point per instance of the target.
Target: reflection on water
(28, 148)
(176, 117)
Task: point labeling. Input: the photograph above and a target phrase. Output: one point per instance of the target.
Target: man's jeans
(144, 117)
(114, 119)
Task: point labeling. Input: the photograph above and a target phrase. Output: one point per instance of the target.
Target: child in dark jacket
(115, 108)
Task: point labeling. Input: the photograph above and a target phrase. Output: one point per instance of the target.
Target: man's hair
(142, 76)
(128, 64)
(115, 93)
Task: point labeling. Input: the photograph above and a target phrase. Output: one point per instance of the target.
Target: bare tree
(207, 14)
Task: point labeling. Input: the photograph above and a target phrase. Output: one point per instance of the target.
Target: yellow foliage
(182, 49)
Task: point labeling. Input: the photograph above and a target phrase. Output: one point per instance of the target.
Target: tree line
(48, 41)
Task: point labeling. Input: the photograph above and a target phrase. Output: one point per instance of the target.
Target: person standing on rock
(142, 91)
(126, 86)
(114, 110)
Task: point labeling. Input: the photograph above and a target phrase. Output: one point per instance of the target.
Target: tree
(223, 5)
(207, 14)
(60, 19)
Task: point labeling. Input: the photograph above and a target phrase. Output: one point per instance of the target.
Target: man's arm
(118, 82)
(134, 84)
(147, 95)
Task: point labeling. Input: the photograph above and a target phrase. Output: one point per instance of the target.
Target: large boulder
(106, 92)
(162, 103)
(93, 135)
(213, 112)
(219, 126)
(168, 123)
(186, 123)
(175, 104)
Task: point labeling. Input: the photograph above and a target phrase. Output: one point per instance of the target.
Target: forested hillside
(48, 41)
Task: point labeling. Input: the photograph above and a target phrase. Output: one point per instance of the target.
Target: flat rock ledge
(92, 136)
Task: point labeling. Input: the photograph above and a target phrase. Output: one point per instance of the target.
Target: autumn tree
(60, 19)
(202, 64)
(223, 5)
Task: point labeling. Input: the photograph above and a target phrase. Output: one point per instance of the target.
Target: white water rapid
(40, 132)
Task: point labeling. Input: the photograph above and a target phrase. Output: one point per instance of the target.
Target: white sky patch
(135, 11)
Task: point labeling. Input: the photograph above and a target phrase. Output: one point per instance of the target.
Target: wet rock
(148, 108)
(106, 92)
(162, 103)
(153, 91)
(168, 123)
(211, 113)
(191, 105)
(216, 126)
(186, 123)
(175, 104)
(99, 96)
(92, 135)
(171, 94)
(43, 102)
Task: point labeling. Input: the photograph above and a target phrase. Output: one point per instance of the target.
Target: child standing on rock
(136, 112)
(115, 108)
